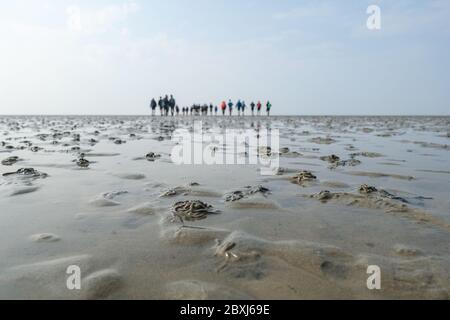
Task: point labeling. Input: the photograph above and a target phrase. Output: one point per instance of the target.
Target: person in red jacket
(223, 106)
(258, 107)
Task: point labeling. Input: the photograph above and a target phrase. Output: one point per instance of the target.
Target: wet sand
(104, 195)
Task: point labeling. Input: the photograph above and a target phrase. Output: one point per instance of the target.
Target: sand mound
(192, 210)
(19, 190)
(191, 190)
(407, 251)
(49, 279)
(303, 178)
(192, 235)
(43, 279)
(45, 237)
(100, 284)
(106, 199)
(143, 209)
(381, 200)
(246, 192)
(321, 140)
(102, 202)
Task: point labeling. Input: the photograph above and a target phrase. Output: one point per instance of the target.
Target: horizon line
(228, 116)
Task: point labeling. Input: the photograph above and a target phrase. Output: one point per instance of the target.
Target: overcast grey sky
(306, 57)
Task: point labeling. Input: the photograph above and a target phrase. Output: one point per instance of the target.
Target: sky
(306, 57)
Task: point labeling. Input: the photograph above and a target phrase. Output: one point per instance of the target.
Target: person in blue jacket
(239, 106)
(230, 106)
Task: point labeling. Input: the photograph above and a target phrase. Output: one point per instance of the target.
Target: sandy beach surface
(350, 192)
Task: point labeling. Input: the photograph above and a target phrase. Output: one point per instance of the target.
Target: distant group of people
(240, 106)
(167, 105)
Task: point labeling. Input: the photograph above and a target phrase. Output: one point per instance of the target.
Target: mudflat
(102, 193)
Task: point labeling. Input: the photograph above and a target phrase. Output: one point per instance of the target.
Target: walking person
(166, 105)
(215, 110)
(172, 104)
(230, 106)
(252, 106)
(268, 106)
(239, 106)
(243, 108)
(153, 106)
(161, 106)
(177, 109)
(258, 107)
(223, 106)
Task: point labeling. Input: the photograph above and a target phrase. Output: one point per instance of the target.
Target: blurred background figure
(268, 106)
